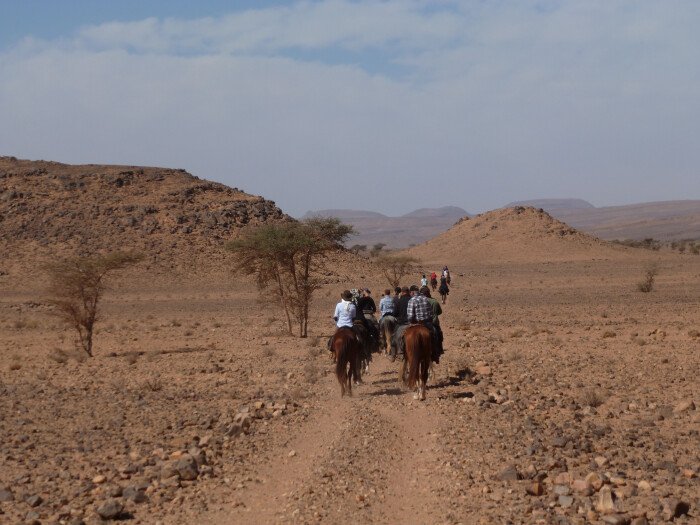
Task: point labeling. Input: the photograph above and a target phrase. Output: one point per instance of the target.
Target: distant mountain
(345, 214)
(453, 212)
(550, 205)
(395, 232)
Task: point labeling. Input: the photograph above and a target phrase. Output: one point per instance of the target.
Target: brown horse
(347, 359)
(416, 366)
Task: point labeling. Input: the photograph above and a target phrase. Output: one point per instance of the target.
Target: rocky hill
(518, 234)
(175, 218)
(554, 204)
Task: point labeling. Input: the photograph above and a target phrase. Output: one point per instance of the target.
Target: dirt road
(366, 458)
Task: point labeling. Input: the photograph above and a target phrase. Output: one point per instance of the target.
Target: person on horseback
(444, 289)
(420, 310)
(366, 307)
(433, 280)
(345, 311)
(424, 281)
(437, 311)
(402, 321)
(387, 307)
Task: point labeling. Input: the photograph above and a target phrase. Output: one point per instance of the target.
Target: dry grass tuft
(608, 334)
(132, 357)
(268, 351)
(153, 384)
(311, 373)
(592, 397)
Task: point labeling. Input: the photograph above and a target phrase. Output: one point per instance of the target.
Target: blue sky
(387, 105)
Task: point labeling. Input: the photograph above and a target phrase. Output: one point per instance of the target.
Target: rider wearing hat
(421, 311)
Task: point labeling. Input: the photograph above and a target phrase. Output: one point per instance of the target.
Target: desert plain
(565, 394)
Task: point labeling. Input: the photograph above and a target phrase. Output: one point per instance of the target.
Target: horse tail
(420, 346)
(340, 345)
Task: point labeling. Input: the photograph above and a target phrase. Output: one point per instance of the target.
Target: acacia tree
(76, 286)
(286, 258)
(395, 267)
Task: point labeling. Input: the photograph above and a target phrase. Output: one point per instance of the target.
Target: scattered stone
(97, 480)
(601, 461)
(641, 520)
(594, 480)
(566, 501)
(6, 495)
(187, 468)
(674, 508)
(684, 406)
(535, 489)
(292, 453)
(510, 473)
(110, 509)
(34, 501)
(582, 487)
(644, 485)
(605, 503)
(688, 473)
(616, 519)
(135, 494)
(561, 490)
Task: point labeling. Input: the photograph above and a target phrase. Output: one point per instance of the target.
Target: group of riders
(406, 306)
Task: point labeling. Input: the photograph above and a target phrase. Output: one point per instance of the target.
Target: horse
(387, 326)
(433, 283)
(367, 344)
(346, 349)
(416, 365)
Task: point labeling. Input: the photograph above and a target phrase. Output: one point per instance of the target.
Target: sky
(380, 105)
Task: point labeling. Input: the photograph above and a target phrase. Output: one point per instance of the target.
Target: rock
(582, 487)
(644, 485)
(510, 473)
(110, 509)
(292, 453)
(684, 406)
(594, 480)
(601, 461)
(605, 504)
(198, 455)
(483, 370)
(97, 480)
(616, 519)
(187, 468)
(563, 478)
(34, 501)
(640, 521)
(561, 490)
(674, 508)
(687, 473)
(565, 501)
(535, 489)
(135, 494)
(6, 495)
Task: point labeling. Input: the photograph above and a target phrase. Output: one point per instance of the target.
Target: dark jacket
(366, 305)
(402, 309)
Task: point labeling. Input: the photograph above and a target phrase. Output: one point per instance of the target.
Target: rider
(437, 311)
(421, 311)
(387, 308)
(344, 315)
(433, 279)
(401, 314)
(367, 307)
(424, 281)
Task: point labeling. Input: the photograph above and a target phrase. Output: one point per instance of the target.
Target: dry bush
(175, 323)
(217, 325)
(513, 355)
(592, 397)
(188, 333)
(77, 286)
(517, 333)
(608, 334)
(314, 341)
(59, 356)
(640, 341)
(647, 285)
(268, 351)
(694, 333)
(153, 384)
(555, 341)
(132, 357)
(311, 373)
(396, 267)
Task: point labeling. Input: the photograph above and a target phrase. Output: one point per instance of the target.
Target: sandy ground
(565, 396)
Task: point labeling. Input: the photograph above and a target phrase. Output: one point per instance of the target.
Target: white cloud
(493, 101)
